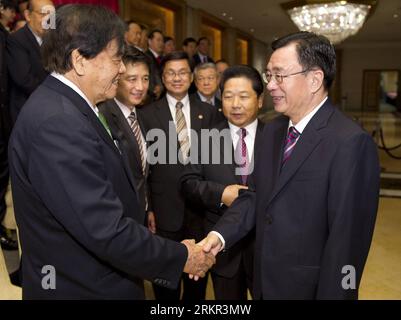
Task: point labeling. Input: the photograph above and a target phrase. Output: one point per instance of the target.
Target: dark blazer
(315, 215)
(25, 68)
(122, 131)
(155, 74)
(168, 203)
(203, 185)
(217, 104)
(197, 59)
(5, 121)
(76, 206)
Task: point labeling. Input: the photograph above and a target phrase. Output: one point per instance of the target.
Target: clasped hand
(201, 256)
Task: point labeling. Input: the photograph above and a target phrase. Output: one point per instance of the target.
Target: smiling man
(75, 198)
(314, 193)
(124, 120)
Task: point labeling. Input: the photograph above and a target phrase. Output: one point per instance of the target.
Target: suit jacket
(122, 131)
(76, 206)
(24, 67)
(217, 104)
(315, 215)
(197, 59)
(203, 185)
(168, 203)
(155, 74)
(5, 122)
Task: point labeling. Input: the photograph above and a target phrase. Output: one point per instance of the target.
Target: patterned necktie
(181, 126)
(241, 156)
(290, 142)
(104, 123)
(138, 136)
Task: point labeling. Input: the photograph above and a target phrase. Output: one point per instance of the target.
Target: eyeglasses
(267, 77)
(181, 74)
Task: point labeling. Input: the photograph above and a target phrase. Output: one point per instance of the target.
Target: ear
(78, 62)
(27, 15)
(317, 80)
(260, 101)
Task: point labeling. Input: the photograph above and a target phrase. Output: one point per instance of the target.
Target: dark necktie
(290, 142)
(138, 136)
(241, 156)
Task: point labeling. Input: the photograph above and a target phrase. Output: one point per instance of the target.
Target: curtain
(112, 4)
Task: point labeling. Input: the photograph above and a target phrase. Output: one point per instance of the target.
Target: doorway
(381, 91)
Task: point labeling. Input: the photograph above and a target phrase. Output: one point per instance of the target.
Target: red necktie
(290, 142)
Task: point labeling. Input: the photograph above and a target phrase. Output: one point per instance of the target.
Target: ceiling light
(337, 20)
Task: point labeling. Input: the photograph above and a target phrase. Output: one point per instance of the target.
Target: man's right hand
(198, 261)
(230, 193)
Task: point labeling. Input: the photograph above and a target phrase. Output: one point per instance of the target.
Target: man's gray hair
(204, 66)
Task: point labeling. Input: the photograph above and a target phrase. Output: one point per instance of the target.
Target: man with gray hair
(206, 81)
(75, 199)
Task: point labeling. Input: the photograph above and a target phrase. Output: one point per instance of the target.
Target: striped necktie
(241, 156)
(182, 131)
(290, 142)
(138, 136)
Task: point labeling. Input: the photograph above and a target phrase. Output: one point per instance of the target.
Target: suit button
(269, 219)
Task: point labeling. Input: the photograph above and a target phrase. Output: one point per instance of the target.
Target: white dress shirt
(74, 87)
(185, 109)
(126, 112)
(204, 99)
(301, 125)
(38, 39)
(249, 138)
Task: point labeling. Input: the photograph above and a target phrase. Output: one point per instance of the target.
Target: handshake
(201, 255)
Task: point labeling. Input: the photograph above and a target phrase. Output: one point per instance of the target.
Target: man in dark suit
(314, 192)
(24, 63)
(124, 120)
(6, 240)
(202, 56)
(155, 54)
(81, 227)
(214, 186)
(207, 83)
(180, 118)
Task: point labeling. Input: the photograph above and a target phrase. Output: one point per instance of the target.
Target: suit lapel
(196, 114)
(121, 122)
(164, 114)
(32, 40)
(83, 107)
(308, 141)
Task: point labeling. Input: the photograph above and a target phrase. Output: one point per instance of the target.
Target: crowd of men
(279, 215)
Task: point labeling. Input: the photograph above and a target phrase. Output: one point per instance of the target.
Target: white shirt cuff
(221, 239)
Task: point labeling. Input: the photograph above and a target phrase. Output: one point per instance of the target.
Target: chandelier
(335, 20)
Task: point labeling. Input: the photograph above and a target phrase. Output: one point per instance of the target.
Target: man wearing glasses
(313, 195)
(175, 115)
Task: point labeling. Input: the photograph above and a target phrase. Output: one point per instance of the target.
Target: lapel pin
(200, 116)
(219, 109)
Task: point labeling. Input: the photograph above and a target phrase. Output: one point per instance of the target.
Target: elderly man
(133, 34)
(75, 198)
(23, 54)
(207, 82)
(314, 193)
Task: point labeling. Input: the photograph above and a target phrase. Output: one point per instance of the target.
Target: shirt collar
(74, 87)
(38, 39)
(173, 101)
(204, 99)
(301, 125)
(153, 52)
(124, 109)
(250, 128)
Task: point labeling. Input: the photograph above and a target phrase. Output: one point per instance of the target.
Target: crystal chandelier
(336, 20)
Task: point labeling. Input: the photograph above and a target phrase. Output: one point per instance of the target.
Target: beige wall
(358, 58)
